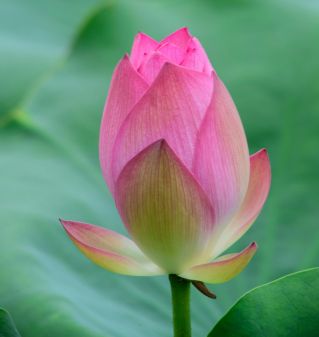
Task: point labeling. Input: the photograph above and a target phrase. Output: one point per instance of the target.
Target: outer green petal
(222, 269)
(165, 209)
(110, 250)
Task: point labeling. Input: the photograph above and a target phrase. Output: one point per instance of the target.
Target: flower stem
(181, 306)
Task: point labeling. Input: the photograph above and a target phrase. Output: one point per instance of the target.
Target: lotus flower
(174, 155)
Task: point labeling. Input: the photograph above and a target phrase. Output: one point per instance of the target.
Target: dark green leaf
(7, 327)
(285, 307)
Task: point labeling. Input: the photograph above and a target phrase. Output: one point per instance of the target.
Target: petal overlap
(143, 45)
(180, 38)
(164, 208)
(221, 159)
(172, 109)
(125, 82)
(152, 66)
(110, 250)
(223, 268)
(196, 58)
(174, 54)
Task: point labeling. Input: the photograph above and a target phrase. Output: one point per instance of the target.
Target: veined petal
(172, 109)
(196, 58)
(222, 269)
(142, 46)
(180, 37)
(110, 250)
(174, 53)
(258, 188)
(165, 210)
(152, 66)
(126, 82)
(221, 159)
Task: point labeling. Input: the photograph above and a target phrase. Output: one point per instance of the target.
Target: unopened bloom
(174, 155)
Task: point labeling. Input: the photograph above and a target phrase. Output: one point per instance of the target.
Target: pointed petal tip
(67, 224)
(263, 157)
(161, 144)
(186, 30)
(248, 251)
(63, 222)
(180, 37)
(125, 57)
(141, 35)
(223, 268)
(169, 67)
(70, 227)
(263, 151)
(252, 248)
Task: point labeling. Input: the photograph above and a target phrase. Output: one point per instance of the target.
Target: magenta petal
(258, 188)
(126, 82)
(180, 37)
(172, 109)
(196, 58)
(165, 210)
(173, 53)
(142, 46)
(152, 66)
(221, 159)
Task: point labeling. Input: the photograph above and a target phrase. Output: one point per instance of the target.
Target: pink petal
(109, 249)
(179, 38)
(172, 108)
(173, 53)
(164, 209)
(142, 46)
(222, 269)
(258, 188)
(126, 82)
(221, 159)
(152, 66)
(196, 58)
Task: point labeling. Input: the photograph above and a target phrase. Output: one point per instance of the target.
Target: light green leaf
(7, 327)
(285, 307)
(56, 60)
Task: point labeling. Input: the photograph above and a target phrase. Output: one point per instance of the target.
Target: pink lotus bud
(174, 154)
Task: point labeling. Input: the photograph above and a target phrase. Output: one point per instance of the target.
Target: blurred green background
(56, 60)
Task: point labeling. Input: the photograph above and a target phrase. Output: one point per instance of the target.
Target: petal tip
(125, 57)
(140, 35)
(253, 246)
(172, 69)
(180, 37)
(223, 268)
(263, 151)
(62, 222)
(263, 156)
(67, 225)
(186, 30)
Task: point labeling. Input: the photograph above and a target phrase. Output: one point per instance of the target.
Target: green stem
(181, 306)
